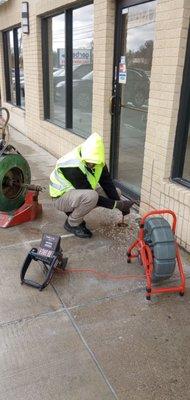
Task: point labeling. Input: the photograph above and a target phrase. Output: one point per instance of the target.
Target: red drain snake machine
(157, 250)
(18, 198)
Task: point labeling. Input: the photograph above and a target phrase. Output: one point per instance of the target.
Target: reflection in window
(11, 66)
(186, 168)
(181, 156)
(77, 113)
(82, 69)
(56, 36)
(14, 71)
(21, 68)
(135, 62)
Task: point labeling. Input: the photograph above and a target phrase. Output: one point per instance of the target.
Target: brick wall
(171, 30)
(31, 122)
(172, 21)
(104, 20)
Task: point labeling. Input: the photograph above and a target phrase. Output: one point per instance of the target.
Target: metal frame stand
(29, 211)
(144, 252)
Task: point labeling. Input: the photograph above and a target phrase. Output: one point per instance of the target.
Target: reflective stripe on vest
(68, 163)
(60, 185)
(76, 162)
(55, 186)
(58, 177)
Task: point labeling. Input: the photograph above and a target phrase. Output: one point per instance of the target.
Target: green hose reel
(15, 176)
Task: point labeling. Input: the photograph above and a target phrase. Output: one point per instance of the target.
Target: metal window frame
(6, 67)
(129, 3)
(115, 124)
(68, 11)
(62, 9)
(17, 68)
(69, 68)
(14, 29)
(45, 67)
(181, 137)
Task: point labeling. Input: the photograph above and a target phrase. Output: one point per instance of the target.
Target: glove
(124, 206)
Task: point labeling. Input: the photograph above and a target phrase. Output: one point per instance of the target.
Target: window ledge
(12, 108)
(59, 129)
(181, 181)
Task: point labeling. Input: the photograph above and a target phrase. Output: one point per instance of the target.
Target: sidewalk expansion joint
(115, 296)
(32, 241)
(91, 353)
(31, 317)
(106, 298)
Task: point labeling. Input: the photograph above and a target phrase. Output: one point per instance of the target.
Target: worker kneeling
(74, 181)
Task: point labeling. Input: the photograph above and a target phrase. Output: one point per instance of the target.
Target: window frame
(14, 29)
(183, 124)
(68, 11)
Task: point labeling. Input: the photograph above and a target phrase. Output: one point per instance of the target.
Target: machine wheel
(160, 238)
(14, 176)
(181, 293)
(83, 101)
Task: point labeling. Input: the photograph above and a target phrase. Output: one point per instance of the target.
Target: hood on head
(92, 150)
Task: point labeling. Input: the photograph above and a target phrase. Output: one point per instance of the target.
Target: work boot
(83, 223)
(79, 230)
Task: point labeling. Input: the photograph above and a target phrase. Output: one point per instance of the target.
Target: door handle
(120, 104)
(111, 104)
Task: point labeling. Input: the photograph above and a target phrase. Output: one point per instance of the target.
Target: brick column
(104, 21)
(171, 29)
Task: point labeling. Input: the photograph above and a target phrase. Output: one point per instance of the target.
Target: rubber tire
(83, 102)
(155, 277)
(136, 100)
(7, 162)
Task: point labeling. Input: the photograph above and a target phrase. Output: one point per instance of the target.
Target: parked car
(82, 92)
(58, 76)
(79, 70)
(136, 89)
(22, 88)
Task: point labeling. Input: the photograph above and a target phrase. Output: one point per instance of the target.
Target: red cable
(105, 275)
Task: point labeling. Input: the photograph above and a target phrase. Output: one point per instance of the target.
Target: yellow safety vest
(92, 151)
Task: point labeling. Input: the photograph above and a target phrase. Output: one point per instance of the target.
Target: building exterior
(117, 67)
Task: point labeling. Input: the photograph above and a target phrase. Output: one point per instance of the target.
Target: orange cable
(106, 275)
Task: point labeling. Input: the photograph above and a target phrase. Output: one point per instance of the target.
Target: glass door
(131, 83)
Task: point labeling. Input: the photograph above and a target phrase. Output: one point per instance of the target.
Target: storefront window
(135, 62)
(11, 66)
(21, 68)
(67, 68)
(14, 71)
(186, 168)
(82, 69)
(181, 159)
(56, 36)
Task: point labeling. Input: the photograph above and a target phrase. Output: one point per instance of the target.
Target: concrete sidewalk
(86, 338)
